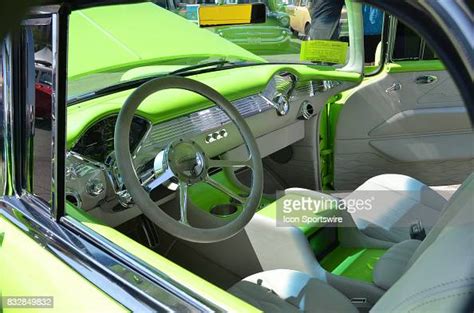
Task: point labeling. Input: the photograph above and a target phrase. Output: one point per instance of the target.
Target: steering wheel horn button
(187, 160)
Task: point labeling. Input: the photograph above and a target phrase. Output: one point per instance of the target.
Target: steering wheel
(186, 161)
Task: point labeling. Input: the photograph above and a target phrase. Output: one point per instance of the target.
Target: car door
(408, 119)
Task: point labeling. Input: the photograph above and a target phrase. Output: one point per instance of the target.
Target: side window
(38, 33)
(409, 46)
(373, 20)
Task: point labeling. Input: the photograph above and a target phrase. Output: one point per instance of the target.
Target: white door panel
(392, 124)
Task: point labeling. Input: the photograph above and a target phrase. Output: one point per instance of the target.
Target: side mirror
(231, 14)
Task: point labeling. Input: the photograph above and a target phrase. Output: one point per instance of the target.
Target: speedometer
(98, 141)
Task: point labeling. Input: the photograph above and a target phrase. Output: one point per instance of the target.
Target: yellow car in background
(300, 19)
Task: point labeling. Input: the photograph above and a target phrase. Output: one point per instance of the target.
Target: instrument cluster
(97, 143)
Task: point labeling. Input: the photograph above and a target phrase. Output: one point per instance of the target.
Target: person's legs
(324, 30)
(325, 16)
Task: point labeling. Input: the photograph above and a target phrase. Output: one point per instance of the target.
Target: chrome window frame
(19, 117)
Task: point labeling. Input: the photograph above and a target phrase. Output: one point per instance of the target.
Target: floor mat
(355, 263)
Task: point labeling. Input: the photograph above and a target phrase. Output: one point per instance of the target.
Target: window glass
(38, 33)
(373, 19)
(428, 53)
(409, 46)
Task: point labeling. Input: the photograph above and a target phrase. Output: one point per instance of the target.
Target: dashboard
(275, 115)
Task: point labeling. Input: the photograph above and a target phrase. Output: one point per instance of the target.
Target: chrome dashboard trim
(312, 88)
(201, 121)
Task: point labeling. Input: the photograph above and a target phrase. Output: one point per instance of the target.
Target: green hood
(125, 36)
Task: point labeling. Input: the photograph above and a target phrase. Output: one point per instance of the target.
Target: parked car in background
(300, 19)
(43, 83)
(271, 37)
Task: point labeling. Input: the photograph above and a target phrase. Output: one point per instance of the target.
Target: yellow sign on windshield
(225, 14)
(329, 51)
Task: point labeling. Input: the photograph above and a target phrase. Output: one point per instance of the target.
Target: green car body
(101, 45)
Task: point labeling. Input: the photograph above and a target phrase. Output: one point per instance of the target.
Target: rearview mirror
(230, 14)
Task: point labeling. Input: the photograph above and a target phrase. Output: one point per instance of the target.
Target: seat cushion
(397, 201)
(393, 264)
(440, 276)
(290, 291)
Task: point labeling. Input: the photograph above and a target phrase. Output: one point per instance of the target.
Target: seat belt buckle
(417, 231)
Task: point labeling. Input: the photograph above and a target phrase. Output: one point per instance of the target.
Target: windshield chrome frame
(18, 117)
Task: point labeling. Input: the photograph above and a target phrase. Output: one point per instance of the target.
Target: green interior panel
(355, 263)
(415, 66)
(206, 197)
(328, 122)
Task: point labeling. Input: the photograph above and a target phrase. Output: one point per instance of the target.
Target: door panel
(395, 123)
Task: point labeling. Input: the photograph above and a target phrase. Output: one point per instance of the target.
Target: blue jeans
(325, 16)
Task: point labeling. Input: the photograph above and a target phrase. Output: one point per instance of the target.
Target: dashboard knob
(125, 199)
(282, 105)
(95, 187)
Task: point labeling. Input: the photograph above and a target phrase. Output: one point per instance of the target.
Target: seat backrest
(450, 211)
(441, 275)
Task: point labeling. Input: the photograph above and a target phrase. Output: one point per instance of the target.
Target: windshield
(112, 45)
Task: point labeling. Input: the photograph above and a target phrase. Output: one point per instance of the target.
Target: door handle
(426, 79)
(396, 86)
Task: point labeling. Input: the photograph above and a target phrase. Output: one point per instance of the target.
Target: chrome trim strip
(312, 88)
(58, 109)
(201, 121)
(92, 256)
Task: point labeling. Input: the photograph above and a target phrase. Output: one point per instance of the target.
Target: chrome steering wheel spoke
(224, 189)
(154, 181)
(183, 202)
(219, 163)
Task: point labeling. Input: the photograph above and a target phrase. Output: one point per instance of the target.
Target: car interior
(197, 165)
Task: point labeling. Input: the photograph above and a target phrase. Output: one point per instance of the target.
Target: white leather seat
(290, 291)
(393, 264)
(437, 276)
(398, 201)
